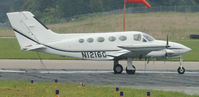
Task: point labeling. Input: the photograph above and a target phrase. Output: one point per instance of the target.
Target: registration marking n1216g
(94, 54)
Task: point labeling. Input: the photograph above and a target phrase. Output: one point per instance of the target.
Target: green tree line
(47, 10)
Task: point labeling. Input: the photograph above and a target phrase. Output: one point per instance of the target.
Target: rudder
(29, 30)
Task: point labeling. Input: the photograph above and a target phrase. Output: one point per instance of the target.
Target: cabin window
(122, 38)
(81, 40)
(100, 39)
(90, 40)
(112, 38)
(137, 37)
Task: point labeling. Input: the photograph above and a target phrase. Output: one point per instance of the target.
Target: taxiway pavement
(158, 75)
(92, 65)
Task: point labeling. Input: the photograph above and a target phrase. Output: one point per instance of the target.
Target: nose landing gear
(181, 69)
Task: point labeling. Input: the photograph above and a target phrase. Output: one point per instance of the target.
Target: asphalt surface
(92, 65)
(156, 75)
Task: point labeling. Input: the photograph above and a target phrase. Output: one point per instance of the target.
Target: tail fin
(29, 30)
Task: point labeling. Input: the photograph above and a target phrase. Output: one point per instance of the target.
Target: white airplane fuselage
(96, 50)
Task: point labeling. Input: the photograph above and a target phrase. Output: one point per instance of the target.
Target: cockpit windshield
(148, 37)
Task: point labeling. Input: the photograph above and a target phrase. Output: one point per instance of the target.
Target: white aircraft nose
(187, 49)
(182, 48)
(177, 48)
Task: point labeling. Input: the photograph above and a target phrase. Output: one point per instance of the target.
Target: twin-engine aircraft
(32, 35)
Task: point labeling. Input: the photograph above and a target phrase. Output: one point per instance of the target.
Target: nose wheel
(181, 69)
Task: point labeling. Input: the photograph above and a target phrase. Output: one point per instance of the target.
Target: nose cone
(176, 48)
(187, 49)
(181, 48)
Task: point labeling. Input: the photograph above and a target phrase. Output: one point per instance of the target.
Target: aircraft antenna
(41, 61)
(146, 63)
(145, 66)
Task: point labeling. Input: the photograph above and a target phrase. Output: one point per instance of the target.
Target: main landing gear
(117, 68)
(181, 69)
(130, 68)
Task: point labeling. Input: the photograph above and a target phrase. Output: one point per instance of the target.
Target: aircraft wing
(117, 53)
(147, 47)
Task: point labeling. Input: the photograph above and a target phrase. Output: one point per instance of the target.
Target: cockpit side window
(137, 37)
(144, 40)
(148, 37)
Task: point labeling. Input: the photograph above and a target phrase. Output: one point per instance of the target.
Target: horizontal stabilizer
(33, 47)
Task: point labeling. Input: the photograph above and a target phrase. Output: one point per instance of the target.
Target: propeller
(167, 46)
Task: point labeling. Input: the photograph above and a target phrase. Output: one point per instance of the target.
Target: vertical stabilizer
(29, 30)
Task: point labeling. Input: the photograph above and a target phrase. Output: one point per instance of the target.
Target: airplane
(33, 35)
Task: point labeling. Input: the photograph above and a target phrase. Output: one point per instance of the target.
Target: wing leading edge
(143, 47)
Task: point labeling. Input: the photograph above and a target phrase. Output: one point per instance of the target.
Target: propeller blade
(167, 44)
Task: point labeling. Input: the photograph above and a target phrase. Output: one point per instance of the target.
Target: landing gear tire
(118, 69)
(131, 71)
(181, 70)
